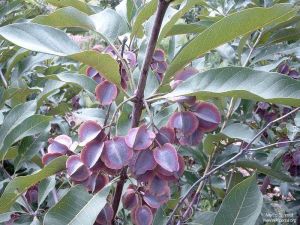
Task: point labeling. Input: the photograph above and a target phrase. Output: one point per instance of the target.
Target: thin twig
(274, 144)
(252, 49)
(201, 179)
(201, 185)
(268, 125)
(150, 115)
(116, 111)
(229, 112)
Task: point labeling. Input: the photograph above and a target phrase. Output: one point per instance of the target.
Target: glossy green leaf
(39, 38)
(203, 218)
(177, 29)
(160, 217)
(103, 63)
(11, 153)
(144, 14)
(108, 23)
(233, 178)
(211, 141)
(77, 206)
(45, 187)
(51, 87)
(49, 40)
(242, 205)
(30, 146)
(242, 83)
(66, 17)
(288, 34)
(20, 184)
(80, 5)
(80, 80)
(15, 117)
(237, 24)
(269, 52)
(264, 169)
(30, 126)
(184, 8)
(17, 57)
(239, 131)
(127, 9)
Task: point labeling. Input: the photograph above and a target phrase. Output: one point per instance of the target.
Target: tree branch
(139, 96)
(138, 107)
(274, 144)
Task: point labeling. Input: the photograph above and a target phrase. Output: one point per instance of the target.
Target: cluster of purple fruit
(106, 92)
(150, 156)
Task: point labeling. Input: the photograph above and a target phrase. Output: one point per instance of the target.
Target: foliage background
(43, 95)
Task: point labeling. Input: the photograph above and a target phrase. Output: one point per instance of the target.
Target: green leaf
(50, 88)
(185, 7)
(32, 125)
(108, 23)
(45, 187)
(104, 63)
(203, 218)
(66, 17)
(4, 217)
(268, 52)
(242, 205)
(30, 146)
(20, 184)
(160, 217)
(211, 141)
(177, 29)
(233, 179)
(10, 154)
(241, 83)
(77, 206)
(80, 80)
(17, 57)
(264, 169)
(127, 9)
(15, 117)
(239, 131)
(144, 14)
(39, 38)
(237, 24)
(80, 5)
(288, 34)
